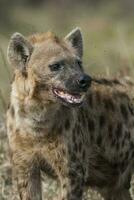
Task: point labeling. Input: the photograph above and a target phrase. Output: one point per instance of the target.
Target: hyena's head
(49, 68)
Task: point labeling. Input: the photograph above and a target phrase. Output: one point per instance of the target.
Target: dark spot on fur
(8, 106)
(60, 168)
(77, 192)
(17, 130)
(132, 155)
(123, 166)
(12, 79)
(124, 111)
(12, 111)
(130, 108)
(59, 129)
(98, 97)
(73, 137)
(90, 100)
(24, 74)
(128, 182)
(86, 113)
(126, 155)
(73, 181)
(104, 81)
(83, 154)
(123, 95)
(64, 186)
(73, 157)
(38, 129)
(91, 125)
(109, 104)
(102, 121)
(81, 117)
(99, 140)
(107, 82)
(132, 145)
(83, 120)
(113, 143)
(69, 149)
(67, 124)
(127, 135)
(121, 155)
(119, 130)
(78, 130)
(72, 174)
(110, 131)
(10, 127)
(79, 169)
(115, 165)
(75, 147)
(115, 81)
(63, 152)
(117, 146)
(123, 143)
(80, 146)
(91, 137)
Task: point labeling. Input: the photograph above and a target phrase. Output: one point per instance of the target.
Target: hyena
(74, 127)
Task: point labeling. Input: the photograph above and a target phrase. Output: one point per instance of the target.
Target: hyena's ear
(19, 51)
(75, 37)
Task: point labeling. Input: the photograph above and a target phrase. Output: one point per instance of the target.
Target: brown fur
(87, 145)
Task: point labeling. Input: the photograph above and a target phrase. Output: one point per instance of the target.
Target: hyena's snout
(74, 89)
(83, 82)
(79, 83)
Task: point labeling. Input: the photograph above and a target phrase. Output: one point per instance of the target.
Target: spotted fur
(90, 145)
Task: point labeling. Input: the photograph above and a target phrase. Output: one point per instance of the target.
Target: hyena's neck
(37, 119)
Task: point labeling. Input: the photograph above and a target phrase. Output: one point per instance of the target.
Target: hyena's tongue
(70, 98)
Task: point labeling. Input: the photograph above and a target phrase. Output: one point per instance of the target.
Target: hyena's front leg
(28, 180)
(72, 186)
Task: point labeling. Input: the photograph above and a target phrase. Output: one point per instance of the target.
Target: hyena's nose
(84, 82)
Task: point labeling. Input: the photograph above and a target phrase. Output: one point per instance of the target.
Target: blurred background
(108, 32)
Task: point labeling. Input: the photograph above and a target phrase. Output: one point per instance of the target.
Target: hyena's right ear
(19, 51)
(76, 40)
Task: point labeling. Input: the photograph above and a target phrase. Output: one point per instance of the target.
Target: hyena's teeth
(62, 93)
(70, 98)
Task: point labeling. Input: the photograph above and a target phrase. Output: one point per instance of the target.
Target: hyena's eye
(55, 67)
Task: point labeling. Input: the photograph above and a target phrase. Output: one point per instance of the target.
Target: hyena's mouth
(67, 97)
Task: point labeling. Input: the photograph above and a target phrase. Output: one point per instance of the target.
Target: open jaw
(68, 97)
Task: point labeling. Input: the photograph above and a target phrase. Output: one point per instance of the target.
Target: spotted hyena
(74, 127)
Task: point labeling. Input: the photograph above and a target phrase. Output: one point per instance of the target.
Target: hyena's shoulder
(112, 95)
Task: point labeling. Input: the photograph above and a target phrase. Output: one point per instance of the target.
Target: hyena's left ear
(19, 51)
(75, 37)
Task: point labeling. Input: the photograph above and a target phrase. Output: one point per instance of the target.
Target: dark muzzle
(79, 83)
